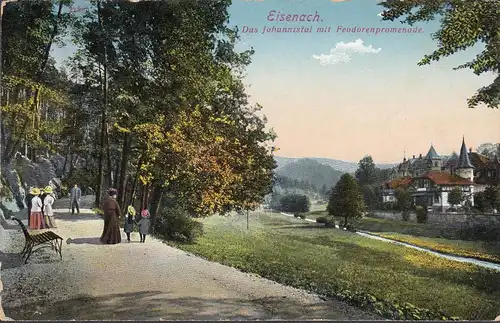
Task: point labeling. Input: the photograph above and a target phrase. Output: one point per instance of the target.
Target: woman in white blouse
(36, 217)
(47, 207)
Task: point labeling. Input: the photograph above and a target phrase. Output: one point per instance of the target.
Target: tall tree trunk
(116, 173)
(136, 180)
(156, 197)
(39, 75)
(108, 160)
(100, 176)
(127, 145)
(143, 198)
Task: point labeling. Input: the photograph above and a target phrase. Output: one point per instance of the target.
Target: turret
(464, 167)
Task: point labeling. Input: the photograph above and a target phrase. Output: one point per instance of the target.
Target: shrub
(296, 215)
(175, 224)
(330, 222)
(421, 214)
(405, 215)
(479, 233)
(350, 227)
(295, 203)
(302, 216)
(321, 219)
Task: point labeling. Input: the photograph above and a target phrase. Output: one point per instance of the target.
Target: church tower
(464, 167)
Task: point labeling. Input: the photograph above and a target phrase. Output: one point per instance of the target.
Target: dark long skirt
(111, 232)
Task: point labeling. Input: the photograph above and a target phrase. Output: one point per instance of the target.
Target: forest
(151, 103)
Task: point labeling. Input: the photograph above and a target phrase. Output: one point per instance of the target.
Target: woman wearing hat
(47, 207)
(111, 233)
(36, 218)
(129, 221)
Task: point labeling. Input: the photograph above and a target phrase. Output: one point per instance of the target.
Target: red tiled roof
(398, 182)
(444, 178)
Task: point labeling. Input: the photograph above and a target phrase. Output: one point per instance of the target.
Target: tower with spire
(464, 167)
(434, 161)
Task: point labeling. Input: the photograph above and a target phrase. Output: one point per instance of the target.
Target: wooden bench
(40, 240)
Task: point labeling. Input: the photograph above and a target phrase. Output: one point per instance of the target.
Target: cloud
(343, 52)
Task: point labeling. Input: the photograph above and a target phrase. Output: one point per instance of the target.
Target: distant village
(432, 177)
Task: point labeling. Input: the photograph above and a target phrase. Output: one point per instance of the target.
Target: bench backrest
(23, 227)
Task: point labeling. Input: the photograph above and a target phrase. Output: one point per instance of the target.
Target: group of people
(40, 212)
(112, 214)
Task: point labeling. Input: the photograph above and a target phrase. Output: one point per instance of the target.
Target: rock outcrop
(15, 186)
(22, 173)
(2, 314)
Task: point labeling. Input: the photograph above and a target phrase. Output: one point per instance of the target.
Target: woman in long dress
(36, 217)
(47, 207)
(111, 233)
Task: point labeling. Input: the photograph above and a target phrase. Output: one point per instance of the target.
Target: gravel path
(142, 281)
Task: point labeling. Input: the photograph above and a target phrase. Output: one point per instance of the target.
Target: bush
(405, 215)
(302, 216)
(329, 221)
(350, 227)
(296, 215)
(421, 214)
(321, 219)
(479, 233)
(295, 203)
(175, 224)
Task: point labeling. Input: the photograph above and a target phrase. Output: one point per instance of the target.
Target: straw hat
(145, 213)
(48, 190)
(131, 210)
(35, 191)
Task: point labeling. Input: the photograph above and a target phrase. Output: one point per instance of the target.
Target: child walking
(129, 221)
(144, 225)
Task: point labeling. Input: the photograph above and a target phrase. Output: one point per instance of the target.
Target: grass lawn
(369, 273)
(426, 236)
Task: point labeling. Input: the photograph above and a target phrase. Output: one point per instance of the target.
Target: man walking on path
(76, 194)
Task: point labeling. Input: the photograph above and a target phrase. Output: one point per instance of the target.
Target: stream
(480, 263)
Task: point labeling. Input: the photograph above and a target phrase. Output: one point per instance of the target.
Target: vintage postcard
(250, 160)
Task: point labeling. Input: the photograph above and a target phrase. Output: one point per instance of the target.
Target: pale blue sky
(379, 103)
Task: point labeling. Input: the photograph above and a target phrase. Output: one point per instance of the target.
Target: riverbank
(347, 266)
(429, 237)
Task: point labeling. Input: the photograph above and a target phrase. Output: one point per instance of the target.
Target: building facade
(430, 178)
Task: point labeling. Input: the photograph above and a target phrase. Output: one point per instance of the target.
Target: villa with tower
(432, 177)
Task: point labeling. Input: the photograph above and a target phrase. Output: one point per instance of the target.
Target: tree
(370, 196)
(346, 199)
(455, 196)
(403, 199)
(492, 197)
(463, 25)
(488, 149)
(366, 174)
(295, 203)
(480, 202)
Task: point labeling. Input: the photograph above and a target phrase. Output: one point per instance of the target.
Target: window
(436, 164)
(493, 173)
(437, 198)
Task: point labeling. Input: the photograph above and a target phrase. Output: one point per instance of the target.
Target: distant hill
(309, 170)
(339, 165)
